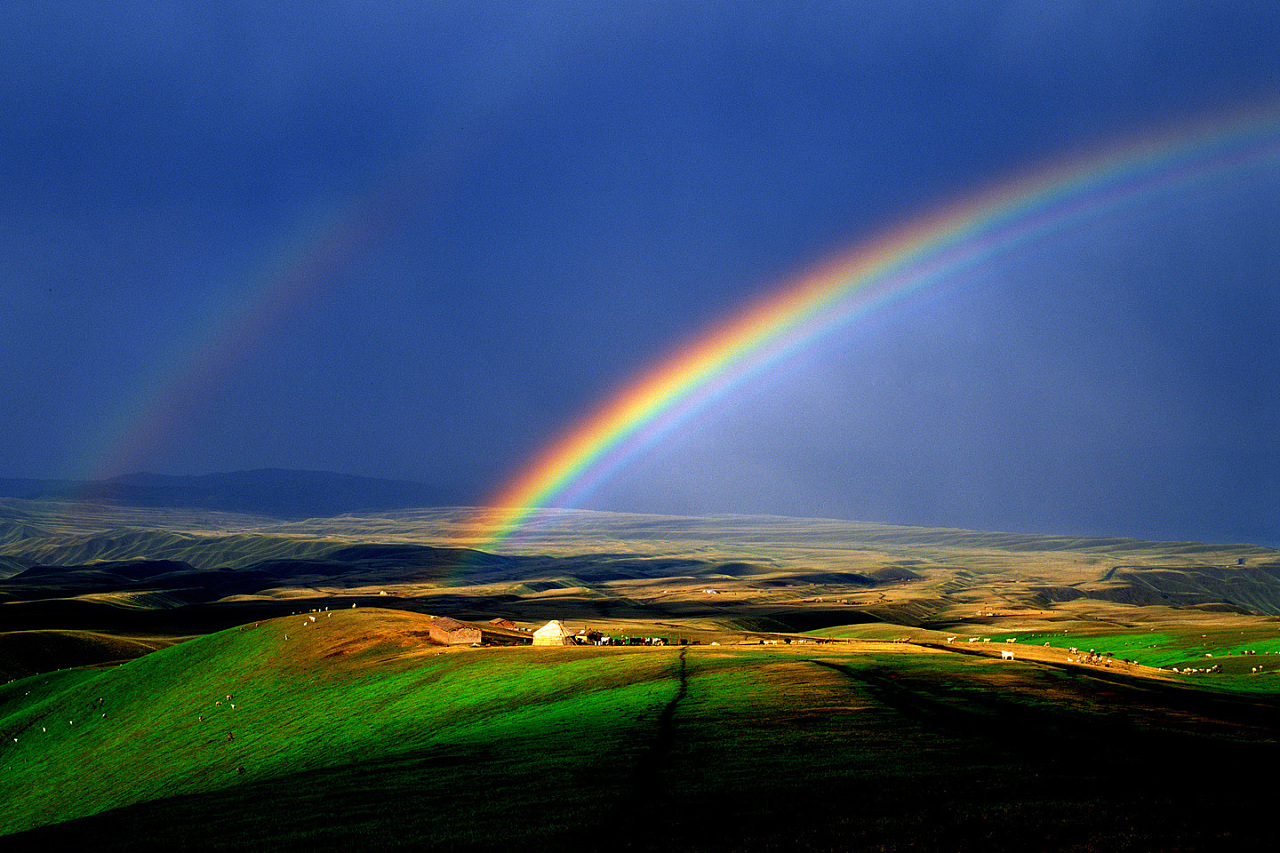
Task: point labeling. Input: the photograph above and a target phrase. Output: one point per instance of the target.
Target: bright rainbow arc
(924, 254)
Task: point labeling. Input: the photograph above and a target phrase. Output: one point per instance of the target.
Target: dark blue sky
(492, 215)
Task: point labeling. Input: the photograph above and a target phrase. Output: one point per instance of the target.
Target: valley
(215, 681)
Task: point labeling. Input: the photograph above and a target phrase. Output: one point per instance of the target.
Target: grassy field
(353, 731)
(168, 688)
(336, 699)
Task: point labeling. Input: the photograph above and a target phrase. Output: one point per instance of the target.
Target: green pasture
(1151, 648)
(1192, 648)
(862, 631)
(348, 740)
(159, 731)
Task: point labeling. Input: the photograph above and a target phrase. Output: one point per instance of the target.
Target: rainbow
(922, 255)
(323, 242)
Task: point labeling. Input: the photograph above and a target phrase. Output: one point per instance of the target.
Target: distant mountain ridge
(276, 492)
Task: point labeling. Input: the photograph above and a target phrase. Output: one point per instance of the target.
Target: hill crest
(275, 492)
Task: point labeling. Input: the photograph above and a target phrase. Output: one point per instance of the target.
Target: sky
(422, 241)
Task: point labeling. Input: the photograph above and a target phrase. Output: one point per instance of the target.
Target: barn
(451, 632)
(554, 633)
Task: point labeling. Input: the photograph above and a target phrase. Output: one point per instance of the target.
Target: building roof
(446, 623)
(554, 628)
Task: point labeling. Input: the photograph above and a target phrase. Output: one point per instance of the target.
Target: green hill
(335, 699)
(354, 731)
(25, 653)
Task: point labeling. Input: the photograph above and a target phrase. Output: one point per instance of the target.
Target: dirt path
(642, 811)
(666, 724)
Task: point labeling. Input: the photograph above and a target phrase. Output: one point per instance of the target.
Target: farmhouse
(451, 632)
(554, 633)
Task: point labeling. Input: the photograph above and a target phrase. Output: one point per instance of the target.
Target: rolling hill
(841, 686)
(186, 572)
(274, 492)
(354, 730)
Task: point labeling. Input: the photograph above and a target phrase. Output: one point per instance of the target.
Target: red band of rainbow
(923, 255)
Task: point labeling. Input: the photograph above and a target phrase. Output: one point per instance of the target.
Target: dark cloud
(490, 216)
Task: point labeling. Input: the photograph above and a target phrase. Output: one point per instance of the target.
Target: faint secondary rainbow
(311, 253)
(191, 365)
(922, 255)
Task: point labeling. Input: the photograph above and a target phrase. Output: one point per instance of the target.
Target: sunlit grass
(166, 726)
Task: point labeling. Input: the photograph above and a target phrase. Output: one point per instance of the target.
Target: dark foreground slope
(353, 732)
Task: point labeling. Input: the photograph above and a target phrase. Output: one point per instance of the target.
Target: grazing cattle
(1006, 655)
(951, 639)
